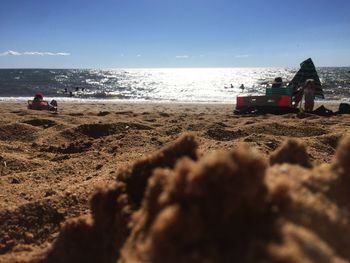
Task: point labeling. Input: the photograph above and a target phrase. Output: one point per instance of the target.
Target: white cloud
(10, 53)
(32, 53)
(138, 55)
(242, 56)
(182, 56)
(62, 54)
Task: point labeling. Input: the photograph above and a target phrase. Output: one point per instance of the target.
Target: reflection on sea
(169, 84)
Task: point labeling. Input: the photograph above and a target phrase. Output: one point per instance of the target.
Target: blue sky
(173, 33)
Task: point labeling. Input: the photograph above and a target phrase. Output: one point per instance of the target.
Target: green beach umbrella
(307, 71)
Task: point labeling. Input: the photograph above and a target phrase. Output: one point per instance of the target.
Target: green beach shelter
(307, 71)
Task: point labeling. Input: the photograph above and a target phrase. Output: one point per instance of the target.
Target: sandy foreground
(280, 202)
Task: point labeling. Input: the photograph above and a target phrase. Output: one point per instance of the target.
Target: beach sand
(218, 200)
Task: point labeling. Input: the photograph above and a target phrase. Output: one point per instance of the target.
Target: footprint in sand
(44, 123)
(99, 130)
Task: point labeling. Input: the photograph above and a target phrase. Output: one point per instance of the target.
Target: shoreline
(110, 105)
(68, 100)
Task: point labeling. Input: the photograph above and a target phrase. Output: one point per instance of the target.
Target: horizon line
(204, 67)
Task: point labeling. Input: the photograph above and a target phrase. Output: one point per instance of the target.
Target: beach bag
(54, 103)
(53, 106)
(323, 111)
(344, 108)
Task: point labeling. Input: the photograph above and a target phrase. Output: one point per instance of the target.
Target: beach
(52, 164)
(174, 132)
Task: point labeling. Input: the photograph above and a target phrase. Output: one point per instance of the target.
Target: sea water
(196, 85)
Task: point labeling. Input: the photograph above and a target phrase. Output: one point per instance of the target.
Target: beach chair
(280, 100)
(261, 101)
(283, 91)
(276, 100)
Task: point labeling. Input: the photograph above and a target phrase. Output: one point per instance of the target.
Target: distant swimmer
(242, 87)
(231, 86)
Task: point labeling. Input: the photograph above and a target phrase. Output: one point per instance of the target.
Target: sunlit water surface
(207, 85)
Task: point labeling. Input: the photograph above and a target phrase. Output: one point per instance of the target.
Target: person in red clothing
(38, 103)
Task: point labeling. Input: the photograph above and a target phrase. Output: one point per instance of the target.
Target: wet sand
(52, 164)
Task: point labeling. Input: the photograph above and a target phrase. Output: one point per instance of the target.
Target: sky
(173, 33)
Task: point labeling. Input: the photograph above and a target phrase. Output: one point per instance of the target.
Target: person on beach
(38, 103)
(297, 96)
(309, 95)
(308, 92)
(277, 83)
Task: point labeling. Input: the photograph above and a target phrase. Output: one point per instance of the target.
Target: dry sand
(198, 206)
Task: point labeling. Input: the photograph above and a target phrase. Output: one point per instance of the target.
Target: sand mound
(74, 147)
(341, 162)
(173, 130)
(224, 210)
(112, 209)
(17, 163)
(331, 140)
(136, 177)
(293, 152)
(220, 134)
(224, 207)
(339, 188)
(18, 132)
(96, 239)
(33, 222)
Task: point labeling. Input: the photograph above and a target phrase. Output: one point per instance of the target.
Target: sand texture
(172, 183)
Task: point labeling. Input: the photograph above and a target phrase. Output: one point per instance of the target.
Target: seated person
(277, 83)
(38, 103)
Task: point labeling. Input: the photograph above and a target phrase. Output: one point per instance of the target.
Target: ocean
(195, 85)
